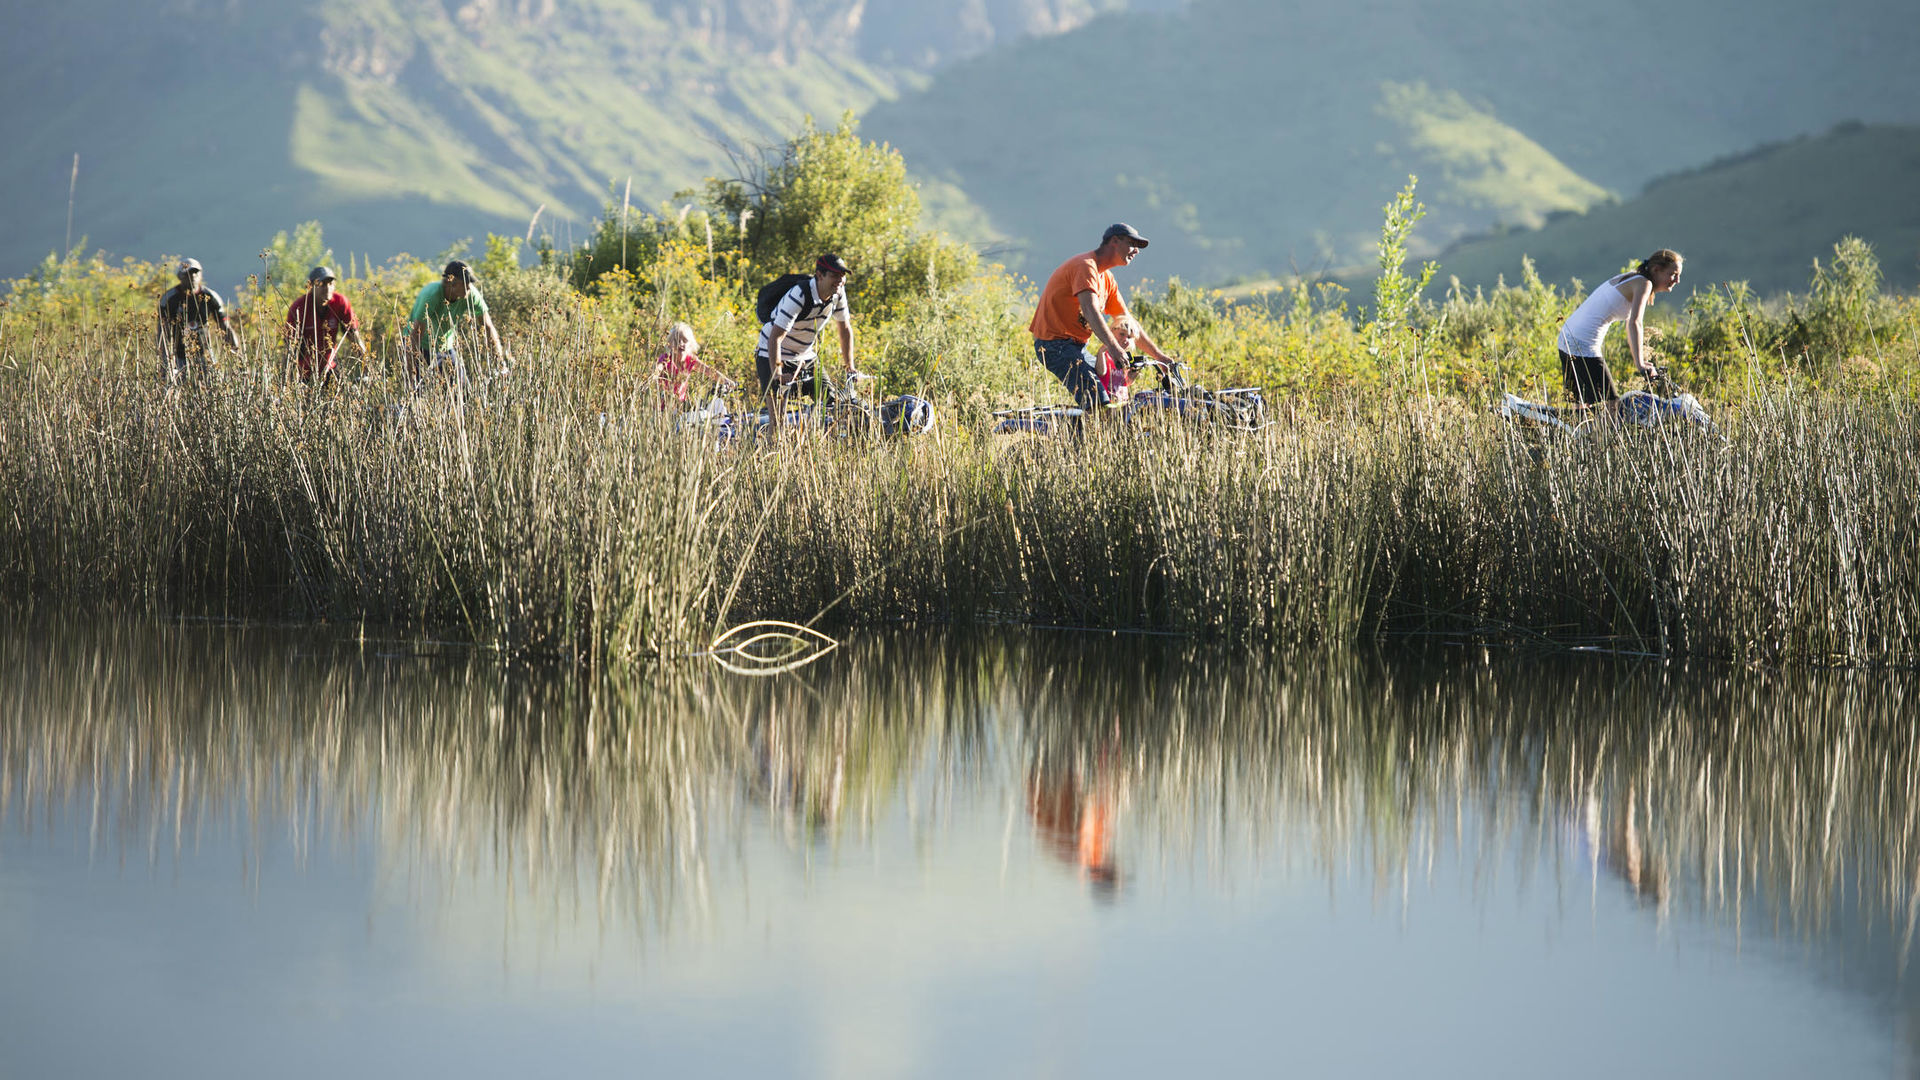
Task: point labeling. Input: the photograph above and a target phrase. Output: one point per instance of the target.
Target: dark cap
(458, 269)
(1121, 228)
(830, 262)
(319, 273)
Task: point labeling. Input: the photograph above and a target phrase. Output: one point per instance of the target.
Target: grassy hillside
(205, 126)
(1761, 218)
(1263, 135)
(204, 129)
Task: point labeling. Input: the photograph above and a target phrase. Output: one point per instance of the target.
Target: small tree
(290, 257)
(834, 191)
(1394, 293)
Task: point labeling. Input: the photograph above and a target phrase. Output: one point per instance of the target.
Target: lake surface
(246, 851)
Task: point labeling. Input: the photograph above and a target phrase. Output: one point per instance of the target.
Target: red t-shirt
(674, 371)
(317, 333)
(1114, 376)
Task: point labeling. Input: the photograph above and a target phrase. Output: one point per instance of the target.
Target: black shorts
(807, 382)
(1588, 380)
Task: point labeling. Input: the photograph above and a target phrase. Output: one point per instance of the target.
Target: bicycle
(850, 415)
(1657, 405)
(846, 413)
(1241, 408)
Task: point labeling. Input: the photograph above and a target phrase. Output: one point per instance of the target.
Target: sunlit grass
(560, 513)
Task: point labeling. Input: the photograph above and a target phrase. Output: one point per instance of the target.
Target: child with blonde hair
(673, 369)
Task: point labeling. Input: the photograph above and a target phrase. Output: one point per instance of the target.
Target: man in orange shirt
(1074, 306)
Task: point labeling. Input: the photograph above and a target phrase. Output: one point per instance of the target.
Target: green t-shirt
(446, 315)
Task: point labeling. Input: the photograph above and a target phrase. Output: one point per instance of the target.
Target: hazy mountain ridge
(1262, 135)
(1762, 217)
(1247, 136)
(205, 125)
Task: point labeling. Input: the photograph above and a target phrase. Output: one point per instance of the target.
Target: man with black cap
(790, 335)
(442, 310)
(185, 312)
(1074, 306)
(315, 323)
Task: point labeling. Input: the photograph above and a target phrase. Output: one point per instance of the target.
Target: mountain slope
(1761, 218)
(206, 127)
(1263, 135)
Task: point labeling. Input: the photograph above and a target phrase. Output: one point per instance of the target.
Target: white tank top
(1587, 327)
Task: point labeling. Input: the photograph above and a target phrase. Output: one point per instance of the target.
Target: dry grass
(559, 515)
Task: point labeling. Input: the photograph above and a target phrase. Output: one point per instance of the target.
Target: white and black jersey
(800, 313)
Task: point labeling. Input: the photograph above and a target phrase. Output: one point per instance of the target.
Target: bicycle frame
(1241, 408)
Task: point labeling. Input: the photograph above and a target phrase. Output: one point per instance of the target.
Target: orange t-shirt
(1059, 312)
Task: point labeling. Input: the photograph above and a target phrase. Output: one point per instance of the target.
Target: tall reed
(560, 512)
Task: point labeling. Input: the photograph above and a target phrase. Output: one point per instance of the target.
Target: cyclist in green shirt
(442, 310)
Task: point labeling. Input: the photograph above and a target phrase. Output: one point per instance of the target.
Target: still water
(246, 851)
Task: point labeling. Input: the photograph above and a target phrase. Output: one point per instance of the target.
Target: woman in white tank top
(1622, 298)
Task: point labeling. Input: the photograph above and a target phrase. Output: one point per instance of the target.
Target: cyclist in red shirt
(315, 324)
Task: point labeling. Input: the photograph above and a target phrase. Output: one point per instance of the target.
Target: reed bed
(1761, 800)
(557, 514)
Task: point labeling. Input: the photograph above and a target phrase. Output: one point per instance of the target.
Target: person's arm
(1090, 312)
(218, 309)
(351, 319)
(493, 339)
(419, 327)
(1152, 349)
(717, 373)
(776, 337)
(416, 345)
(846, 342)
(1641, 291)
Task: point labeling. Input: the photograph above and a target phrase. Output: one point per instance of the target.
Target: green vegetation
(567, 518)
(558, 513)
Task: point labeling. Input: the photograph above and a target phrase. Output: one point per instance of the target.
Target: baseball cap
(186, 265)
(319, 273)
(1121, 228)
(831, 262)
(458, 268)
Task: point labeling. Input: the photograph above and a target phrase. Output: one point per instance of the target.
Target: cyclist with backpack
(791, 309)
(186, 311)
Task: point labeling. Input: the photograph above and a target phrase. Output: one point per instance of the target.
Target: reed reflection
(1732, 795)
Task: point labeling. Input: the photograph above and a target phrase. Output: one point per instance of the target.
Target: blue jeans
(1066, 359)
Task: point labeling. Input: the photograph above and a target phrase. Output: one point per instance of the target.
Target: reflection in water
(1735, 795)
(1073, 817)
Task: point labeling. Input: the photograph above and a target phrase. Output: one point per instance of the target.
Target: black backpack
(775, 291)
